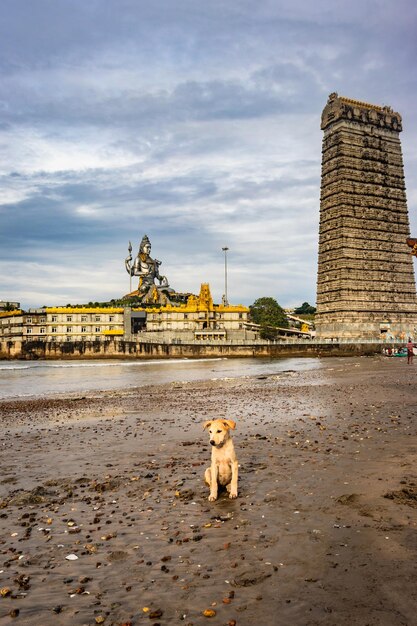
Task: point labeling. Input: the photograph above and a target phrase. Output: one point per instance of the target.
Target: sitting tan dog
(224, 467)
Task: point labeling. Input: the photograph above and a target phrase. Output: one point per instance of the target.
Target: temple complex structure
(365, 286)
(199, 319)
(153, 312)
(172, 315)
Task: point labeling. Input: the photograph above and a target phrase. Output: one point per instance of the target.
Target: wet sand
(323, 531)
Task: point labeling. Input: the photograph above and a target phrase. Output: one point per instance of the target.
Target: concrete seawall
(143, 350)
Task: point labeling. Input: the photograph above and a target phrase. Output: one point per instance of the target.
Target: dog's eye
(219, 431)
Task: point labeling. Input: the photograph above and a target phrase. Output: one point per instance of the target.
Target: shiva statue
(147, 269)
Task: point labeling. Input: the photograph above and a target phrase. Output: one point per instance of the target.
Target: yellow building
(83, 323)
(11, 325)
(62, 324)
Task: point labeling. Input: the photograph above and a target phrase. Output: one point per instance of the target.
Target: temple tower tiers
(365, 285)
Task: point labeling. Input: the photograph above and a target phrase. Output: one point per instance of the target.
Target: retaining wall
(144, 350)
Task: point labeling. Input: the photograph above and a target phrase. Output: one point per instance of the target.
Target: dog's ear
(207, 424)
(229, 424)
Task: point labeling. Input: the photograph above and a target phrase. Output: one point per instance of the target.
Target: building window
(111, 318)
(69, 329)
(97, 329)
(83, 318)
(54, 329)
(29, 320)
(42, 320)
(54, 318)
(43, 331)
(68, 339)
(240, 316)
(97, 318)
(29, 331)
(69, 318)
(83, 329)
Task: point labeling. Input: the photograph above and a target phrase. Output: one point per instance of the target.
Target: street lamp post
(225, 249)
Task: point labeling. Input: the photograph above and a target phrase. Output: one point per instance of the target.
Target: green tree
(305, 309)
(267, 312)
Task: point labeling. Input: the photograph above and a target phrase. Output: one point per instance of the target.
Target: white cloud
(28, 150)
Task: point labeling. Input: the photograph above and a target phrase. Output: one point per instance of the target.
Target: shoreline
(323, 531)
(79, 378)
(120, 392)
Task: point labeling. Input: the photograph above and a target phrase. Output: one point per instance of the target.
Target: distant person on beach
(410, 352)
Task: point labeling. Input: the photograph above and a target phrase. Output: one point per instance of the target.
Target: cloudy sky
(195, 122)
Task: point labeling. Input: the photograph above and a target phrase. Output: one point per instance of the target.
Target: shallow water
(42, 378)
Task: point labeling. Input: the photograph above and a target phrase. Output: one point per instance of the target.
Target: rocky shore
(105, 518)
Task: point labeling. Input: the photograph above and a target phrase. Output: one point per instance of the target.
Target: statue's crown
(145, 240)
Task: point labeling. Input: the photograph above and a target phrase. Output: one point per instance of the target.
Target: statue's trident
(128, 263)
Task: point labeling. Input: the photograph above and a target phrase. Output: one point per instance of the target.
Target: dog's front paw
(233, 495)
(212, 498)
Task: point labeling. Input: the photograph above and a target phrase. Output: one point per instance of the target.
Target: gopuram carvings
(153, 288)
(365, 285)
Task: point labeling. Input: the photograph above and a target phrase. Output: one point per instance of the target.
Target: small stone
(5, 591)
(90, 547)
(209, 613)
(84, 579)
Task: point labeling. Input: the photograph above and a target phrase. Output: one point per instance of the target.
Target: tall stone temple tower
(365, 285)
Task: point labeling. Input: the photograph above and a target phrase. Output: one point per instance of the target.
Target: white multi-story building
(82, 323)
(62, 324)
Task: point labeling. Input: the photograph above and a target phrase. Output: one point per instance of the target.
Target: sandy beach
(105, 517)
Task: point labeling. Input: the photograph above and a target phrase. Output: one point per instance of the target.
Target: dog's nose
(212, 442)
